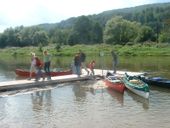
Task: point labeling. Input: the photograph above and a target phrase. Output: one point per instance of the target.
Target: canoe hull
(114, 83)
(120, 87)
(24, 73)
(138, 92)
(139, 87)
(158, 81)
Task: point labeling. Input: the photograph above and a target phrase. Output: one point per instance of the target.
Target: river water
(78, 105)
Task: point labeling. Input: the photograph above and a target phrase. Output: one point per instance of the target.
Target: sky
(15, 13)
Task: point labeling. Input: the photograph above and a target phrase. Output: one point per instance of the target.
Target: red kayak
(114, 83)
(25, 73)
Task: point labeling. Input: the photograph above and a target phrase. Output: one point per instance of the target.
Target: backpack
(83, 57)
(38, 62)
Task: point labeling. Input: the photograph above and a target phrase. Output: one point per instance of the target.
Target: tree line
(151, 24)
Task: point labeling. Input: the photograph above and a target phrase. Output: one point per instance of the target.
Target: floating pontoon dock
(100, 72)
(9, 85)
(15, 84)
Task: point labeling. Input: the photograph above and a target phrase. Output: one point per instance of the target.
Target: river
(77, 105)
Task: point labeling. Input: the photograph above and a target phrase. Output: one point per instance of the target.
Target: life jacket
(38, 63)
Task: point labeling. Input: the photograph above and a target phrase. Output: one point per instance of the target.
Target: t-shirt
(77, 61)
(47, 58)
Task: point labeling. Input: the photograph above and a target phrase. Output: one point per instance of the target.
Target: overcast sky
(33, 12)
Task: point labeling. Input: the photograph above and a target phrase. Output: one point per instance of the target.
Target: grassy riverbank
(93, 50)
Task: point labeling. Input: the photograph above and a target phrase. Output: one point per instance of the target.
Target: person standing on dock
(39, 66)
(77, 63)
(32, 67)
(115, 61)
(83, 59)
(91, 67)
(47, 62)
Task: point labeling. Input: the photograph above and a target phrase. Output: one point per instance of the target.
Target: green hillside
(127, 26)
(162, 9)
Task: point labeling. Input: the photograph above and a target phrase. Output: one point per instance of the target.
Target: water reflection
(6, 72)
(116, 95)
(2, 108)
(64, 105)
(81, 88)
(41, 100)
(139, 99)
(37, 100)
(159, 89)
(79, 92)
(96, 86)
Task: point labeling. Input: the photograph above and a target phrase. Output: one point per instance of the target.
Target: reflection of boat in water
(97, 85)
(116, 95)
(93, 86)
(160, 89)
(139, 99)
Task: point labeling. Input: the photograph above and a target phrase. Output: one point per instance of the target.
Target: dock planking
(100, 72)
(18, 84)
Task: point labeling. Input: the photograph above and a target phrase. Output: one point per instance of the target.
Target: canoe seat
(116, 81)
(135, 81)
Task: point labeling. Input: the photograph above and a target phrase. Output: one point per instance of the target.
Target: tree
(145, 33)
(73, 38)
(97, 33)
(3, 38)
(60, 36)
(82, 31)
(40, 37)
(119, 31)
(164, 37)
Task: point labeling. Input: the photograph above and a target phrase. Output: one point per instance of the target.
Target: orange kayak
(114, 83)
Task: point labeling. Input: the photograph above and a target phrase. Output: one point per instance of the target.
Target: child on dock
(33, 63)
(91, 67)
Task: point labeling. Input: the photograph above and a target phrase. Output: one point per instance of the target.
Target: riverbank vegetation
(93, 50)
(142, 30)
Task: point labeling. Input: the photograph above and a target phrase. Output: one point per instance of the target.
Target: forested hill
(141, 24)
(144, 14)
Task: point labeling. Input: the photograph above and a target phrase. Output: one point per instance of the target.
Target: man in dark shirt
(115, 61)
(77, 63)
(83, 59)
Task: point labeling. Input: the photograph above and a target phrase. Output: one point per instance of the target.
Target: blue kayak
(157, 81)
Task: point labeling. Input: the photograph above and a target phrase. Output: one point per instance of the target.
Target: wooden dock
(100, 72)
(17, 84)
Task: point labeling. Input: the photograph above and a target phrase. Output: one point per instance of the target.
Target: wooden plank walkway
(100, 72)
(16, 84)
